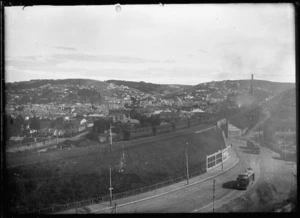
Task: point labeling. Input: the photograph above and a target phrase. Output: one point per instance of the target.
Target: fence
(38, 144)
(96, 200)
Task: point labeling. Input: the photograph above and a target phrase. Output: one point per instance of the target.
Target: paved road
(274, 185)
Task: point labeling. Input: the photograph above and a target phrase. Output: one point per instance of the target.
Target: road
(275, 184)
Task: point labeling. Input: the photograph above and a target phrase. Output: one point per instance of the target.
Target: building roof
(232, 127)
(197, 110)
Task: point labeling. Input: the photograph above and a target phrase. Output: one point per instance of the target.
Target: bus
(245, 179)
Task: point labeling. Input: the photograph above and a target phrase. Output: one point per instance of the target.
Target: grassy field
(80, 177)
(245, 118)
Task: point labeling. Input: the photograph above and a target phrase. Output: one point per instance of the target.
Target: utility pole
(285, 150)
(187, 164)
(214, 197)
(110, 187)
(115, 207)
(56, 136)
(110, 137)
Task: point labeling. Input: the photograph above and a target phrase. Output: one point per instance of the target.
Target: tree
(13, 126)
(100, 125)
(58, 122)
(35, 123)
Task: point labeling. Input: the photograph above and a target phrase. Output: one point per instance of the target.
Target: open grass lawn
(84, 176)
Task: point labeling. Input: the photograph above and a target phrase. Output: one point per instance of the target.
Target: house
(168, 116)
(234, 131)
(130, 122)
(16, 138)
(95, 116)
(197, 112)
(90, 125)
(83, 121)
(185, 114)
(117, 115)
(81, 128)
(60, 132)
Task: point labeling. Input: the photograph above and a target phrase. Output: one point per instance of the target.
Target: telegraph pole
(110, 187)
(56, 136)
(187, 164)
(214, 197)
(115, 207)
(110, 137)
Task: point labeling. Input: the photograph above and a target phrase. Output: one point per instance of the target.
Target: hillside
(239, 90)
(72, 91)
(69, 91)
(275, 87)
(283, 110)
(150, 87)
(84, 176)
(279, 131)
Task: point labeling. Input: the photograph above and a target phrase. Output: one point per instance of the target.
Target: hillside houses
(118, 115)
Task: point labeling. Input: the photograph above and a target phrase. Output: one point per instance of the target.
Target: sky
(171, 44)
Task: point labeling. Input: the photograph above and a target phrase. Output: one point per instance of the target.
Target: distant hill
(261, 87)
(150, 88)
(93, 91)
(275, 87)
(60, 91)
(38, 83)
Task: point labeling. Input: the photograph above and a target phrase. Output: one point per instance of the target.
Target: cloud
(65, 48)
(54, 61)
(102, 58)
(202, 50)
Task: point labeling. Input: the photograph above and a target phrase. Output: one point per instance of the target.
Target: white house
(90, 125)
(82, 121)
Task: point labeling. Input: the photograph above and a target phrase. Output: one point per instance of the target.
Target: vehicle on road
(245, 179)
(254, 146)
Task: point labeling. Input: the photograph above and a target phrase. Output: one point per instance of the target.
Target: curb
(174, 190)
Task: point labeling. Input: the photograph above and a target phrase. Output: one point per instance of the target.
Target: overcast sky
(170, 44)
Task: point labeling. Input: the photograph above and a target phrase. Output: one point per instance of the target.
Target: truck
(245, 179)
